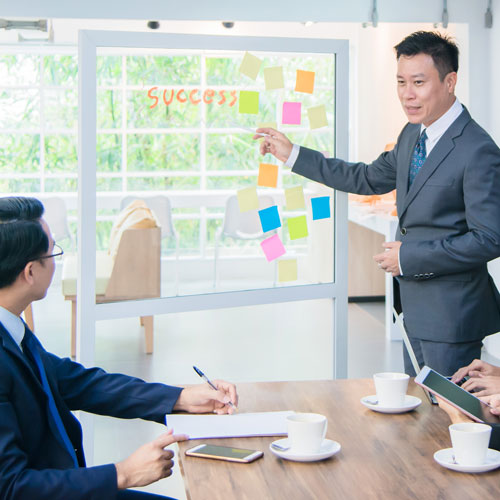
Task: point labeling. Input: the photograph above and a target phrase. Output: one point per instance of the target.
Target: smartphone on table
(224, 453)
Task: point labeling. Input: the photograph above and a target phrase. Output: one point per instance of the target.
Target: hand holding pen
(230, 389)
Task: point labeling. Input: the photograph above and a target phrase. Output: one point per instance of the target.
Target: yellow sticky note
(274, 78)
(250, 66)
(248, 199)
(273, 125)
(249, 102)
(297, 227)
(287, 270)
(317, 117)
(294, 198)
(304, 81)
(268, 175)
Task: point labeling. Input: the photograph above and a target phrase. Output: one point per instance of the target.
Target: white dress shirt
(13, 324)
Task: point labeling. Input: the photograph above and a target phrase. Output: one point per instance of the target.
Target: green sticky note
(294, 198)
(249, 102)
(274, 78)
(248, 199)
(250, 66)
(287, 270)
(317, 117)
(297, 227)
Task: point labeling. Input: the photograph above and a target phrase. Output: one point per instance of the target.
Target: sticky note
(291, 113)
(321, 207)
(297, 227)
(248, 199)
(273, 248)
(305, 81)
(317, 117)
(274, 78)
(287, 270)
(248, 102)
(250, 65)
(326, 154)
(294, 198)
(268, 175)
(273, 125)
(269, 218)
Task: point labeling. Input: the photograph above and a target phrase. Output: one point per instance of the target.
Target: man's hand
(456, 416)
(388, 261)
(475, 369)
(203, 399)
(275, 143)
(482, 385)
(149, 463)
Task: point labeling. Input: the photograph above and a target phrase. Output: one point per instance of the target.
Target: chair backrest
(56, 216)
(162, 209)
(244, 225)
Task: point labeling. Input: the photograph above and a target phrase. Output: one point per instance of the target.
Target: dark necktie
(418, 157)
(31, 351)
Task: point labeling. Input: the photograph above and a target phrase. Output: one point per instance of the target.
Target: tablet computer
(466, 402)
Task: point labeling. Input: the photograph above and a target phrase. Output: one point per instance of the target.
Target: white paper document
(272, 423)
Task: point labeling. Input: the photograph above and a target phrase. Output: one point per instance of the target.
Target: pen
(205, 378)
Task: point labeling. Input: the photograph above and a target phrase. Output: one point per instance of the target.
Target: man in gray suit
(446, 170)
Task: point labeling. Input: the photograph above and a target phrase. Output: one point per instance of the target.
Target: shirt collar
(441, 125)
(13, 324)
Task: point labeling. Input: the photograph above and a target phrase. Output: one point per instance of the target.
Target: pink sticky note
(291, 113)
(273, 248)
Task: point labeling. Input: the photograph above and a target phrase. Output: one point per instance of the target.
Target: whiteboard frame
(88, 312)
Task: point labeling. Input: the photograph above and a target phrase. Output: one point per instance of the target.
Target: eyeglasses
(58, 252)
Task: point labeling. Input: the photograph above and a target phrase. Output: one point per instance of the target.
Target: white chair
(240, 226)
(162, 209)
(56, 216)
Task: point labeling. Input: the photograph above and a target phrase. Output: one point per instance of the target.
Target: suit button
(403, 231)
(416, 276)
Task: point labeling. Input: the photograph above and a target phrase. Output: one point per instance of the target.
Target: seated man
(484, 382)
(41, 453)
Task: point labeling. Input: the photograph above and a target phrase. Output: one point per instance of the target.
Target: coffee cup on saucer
(470, 442)
(391, 388)
(306, 432)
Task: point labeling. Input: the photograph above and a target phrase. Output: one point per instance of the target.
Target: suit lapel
(13, 349)
(436, 157)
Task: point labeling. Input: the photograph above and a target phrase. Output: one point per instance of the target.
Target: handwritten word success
(209, 96)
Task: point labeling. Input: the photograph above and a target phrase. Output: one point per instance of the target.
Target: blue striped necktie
(418, 157)
(30, 349)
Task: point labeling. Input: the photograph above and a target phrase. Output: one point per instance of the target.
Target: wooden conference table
(382, 457)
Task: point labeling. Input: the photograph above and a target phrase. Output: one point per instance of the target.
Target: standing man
(446, 170)
(41, 455)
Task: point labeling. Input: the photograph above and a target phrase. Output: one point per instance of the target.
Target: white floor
(289, 341)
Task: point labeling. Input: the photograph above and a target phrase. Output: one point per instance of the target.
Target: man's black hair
(22, 238)
(441, 48)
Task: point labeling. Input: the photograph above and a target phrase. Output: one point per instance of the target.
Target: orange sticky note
(268, 175)
(304, 81)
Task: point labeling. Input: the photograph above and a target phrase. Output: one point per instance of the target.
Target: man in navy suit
(41, 455)
(446, 170)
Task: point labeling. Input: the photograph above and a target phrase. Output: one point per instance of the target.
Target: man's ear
(27, 274)
(451, 81)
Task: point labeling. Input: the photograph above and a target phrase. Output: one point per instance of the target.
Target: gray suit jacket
(449, 225)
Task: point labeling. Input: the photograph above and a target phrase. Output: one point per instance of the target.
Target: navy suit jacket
(449, 225)
(33, 460)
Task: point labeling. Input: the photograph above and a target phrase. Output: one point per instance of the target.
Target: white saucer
(328, 449)
(446, 459)
(410, 403)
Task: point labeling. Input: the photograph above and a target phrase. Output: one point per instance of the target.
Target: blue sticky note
(269, 218)
(321, 207)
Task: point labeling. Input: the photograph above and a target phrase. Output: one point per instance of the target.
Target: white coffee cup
(391, 388)
(306, 432)
(470, 442)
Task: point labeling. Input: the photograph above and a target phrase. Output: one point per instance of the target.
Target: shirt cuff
(399, 263)
(293, 156)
